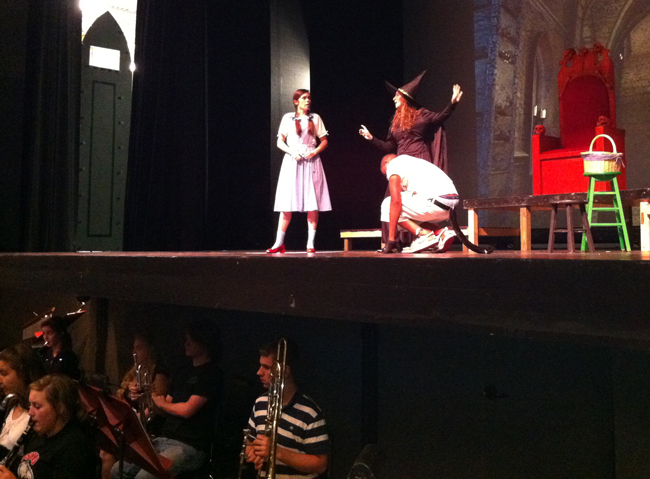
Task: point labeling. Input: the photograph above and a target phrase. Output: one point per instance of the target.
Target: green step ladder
(617, 207)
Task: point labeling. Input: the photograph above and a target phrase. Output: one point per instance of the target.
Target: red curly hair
(404, 117)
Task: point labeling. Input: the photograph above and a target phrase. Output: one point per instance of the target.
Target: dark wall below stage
(553, 409)
(450, 405)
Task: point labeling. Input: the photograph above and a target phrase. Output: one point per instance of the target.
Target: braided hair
(296, 96)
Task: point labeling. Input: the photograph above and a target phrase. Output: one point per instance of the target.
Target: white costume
(302, 185)
(422, 185)
(13, 429)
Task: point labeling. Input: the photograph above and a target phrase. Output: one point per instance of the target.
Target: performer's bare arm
(309, 463)
(319, 148)
(182, 409)
(282, 144)
(395, 187)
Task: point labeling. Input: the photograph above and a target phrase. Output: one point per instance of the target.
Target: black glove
(391, 247)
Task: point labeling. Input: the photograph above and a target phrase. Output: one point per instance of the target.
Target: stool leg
(590, 205)
(622, 229)
(587, 229)
(551, 230)
(570, 240)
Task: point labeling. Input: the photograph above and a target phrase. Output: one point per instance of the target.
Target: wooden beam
(644, 222)
(472, 227)
(525, 227)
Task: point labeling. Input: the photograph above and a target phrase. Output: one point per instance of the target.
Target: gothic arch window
(123, 11)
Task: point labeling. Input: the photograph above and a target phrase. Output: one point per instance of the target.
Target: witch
(414, 130)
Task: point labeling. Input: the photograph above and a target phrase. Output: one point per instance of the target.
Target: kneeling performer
(419, 192)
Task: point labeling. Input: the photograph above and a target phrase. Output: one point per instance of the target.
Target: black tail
(464, 239)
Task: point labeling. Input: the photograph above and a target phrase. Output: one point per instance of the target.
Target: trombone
(145, 388)
(274, 409)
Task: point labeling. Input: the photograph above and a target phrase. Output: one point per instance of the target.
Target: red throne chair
(587, 109)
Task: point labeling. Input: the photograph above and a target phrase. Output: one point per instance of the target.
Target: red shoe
(445, 241)
(279, 249)
(311, 250)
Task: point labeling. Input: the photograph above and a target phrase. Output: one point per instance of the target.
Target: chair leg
(551, 231)
(570, 240)
(587, 230)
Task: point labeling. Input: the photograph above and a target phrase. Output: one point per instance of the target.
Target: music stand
(90, 399)
(122, 433)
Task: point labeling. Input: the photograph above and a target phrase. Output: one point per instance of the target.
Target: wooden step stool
(570, 230)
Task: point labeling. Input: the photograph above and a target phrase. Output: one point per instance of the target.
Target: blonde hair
(63, 395)
(129, 377)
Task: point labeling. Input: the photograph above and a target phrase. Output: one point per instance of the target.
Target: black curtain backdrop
(50, 153)
(166, 183)
(239, 77)
(200, 153)
(198, 164)
(354, 47)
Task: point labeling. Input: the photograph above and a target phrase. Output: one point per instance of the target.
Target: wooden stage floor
(598, 297)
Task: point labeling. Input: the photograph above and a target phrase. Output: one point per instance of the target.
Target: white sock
(279, 239)
(311, 234)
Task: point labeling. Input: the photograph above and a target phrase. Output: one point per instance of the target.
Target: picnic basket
(596, 162)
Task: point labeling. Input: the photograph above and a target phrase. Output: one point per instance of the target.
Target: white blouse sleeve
(320, 126)
(285, 123)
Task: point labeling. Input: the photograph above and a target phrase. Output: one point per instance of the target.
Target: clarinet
(13, 457)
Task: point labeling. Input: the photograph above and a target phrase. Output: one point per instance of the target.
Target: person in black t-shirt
(62, 447)
(190, 408)
(57, 353)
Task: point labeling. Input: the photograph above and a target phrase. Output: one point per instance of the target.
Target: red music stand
(122, 433)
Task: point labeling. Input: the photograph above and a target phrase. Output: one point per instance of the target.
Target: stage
(596, 297)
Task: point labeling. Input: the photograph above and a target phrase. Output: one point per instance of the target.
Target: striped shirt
(301, 429)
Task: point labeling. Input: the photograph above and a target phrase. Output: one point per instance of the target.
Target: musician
(302, 441)
(58, 354)
(144, 353)
(61, 448)
(191, 406)
(19, 366)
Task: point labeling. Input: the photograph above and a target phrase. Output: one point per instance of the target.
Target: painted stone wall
(633, 103)
(517, 46)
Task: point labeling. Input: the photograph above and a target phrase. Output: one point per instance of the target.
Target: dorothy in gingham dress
(302, 185)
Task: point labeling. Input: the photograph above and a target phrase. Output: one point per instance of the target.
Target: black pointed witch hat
(409, 91)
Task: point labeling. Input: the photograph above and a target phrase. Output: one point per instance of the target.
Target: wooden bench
(526, 204)
(349, 235)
